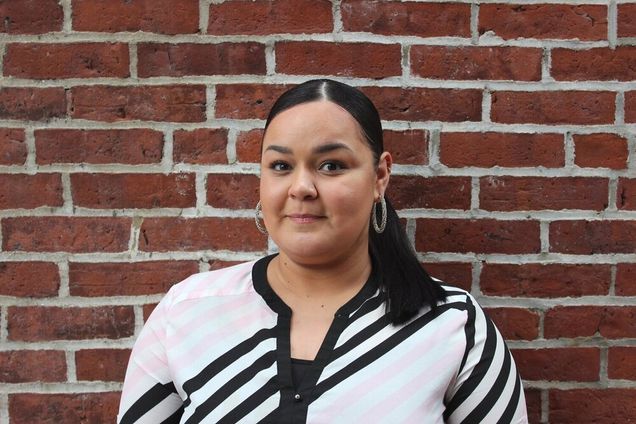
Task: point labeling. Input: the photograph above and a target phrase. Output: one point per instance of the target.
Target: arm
(488, 388)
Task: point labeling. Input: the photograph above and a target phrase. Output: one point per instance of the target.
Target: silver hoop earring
(257, 215)
(379, 228)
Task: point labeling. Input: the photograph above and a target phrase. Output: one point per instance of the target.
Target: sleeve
(149, 395)
(488, 387)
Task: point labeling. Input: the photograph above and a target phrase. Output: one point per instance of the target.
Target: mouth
(304, 218)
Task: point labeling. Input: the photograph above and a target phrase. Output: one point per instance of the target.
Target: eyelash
(280, 166)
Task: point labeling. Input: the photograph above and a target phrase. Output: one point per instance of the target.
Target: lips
(303, 218)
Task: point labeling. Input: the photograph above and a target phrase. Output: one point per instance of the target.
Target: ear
(382, 174)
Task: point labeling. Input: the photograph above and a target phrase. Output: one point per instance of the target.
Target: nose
(302, 185)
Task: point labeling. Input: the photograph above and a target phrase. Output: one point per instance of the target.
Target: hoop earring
(259, 225)
(379, 228)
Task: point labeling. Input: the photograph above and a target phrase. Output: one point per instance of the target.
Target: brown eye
(331, 166)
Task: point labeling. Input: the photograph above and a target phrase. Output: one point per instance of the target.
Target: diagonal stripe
(509, 413)
(251, 402)
(147, 401)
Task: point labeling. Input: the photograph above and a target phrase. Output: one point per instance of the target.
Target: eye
(279, 166)
(332, 166)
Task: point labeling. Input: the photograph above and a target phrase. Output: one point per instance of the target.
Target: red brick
(630, 106)
(626, 198)
(587, 406)
(106, 191)
(558, 364)
(166, 234)
(476, 63)
(533, 405)
(130, 146)
(148, 310)
(265, 17)
(426, 104)
(13, 149)
(536, 193)
(600, 150)
(458, 274)
(201, 146)
(174, 103)
(160, 16)
(248, 146)
(65, 234)
(29, 279)
(368, 60)
(553, 107)
(246, 101)
(406, 18)
(69, 60)
(545, 280)
(177, 60)
(491, 149)
(101, 364)
(218, 264)
(627, 20)
(232, 191)
(32, 104)
(600, 64)
(515, 323)
(31, 16)
(555, 21)
(612, 322)
(127, 279)
(30, 191)
(41, 323)
(433, 193)
(23, 366)
(408, 147)
(593, 237)
(626, 279)
(28, 408)
(477, 236)
(620, 363)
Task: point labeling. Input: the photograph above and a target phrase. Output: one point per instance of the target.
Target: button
(298, 397)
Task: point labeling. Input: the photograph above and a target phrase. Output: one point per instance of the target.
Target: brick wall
(129, 136)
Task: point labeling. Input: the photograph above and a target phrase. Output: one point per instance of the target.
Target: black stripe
(478, 373)
(469, 329)
(252, 402)
(147, 401)
(231, 386)
(369, 306)
(509, 413)
(224, 361)
(360, 337)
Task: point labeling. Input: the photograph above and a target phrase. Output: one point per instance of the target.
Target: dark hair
(407, 285)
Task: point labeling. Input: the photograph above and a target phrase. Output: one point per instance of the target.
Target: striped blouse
(216, 350)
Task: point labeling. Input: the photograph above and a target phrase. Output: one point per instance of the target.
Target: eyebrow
(324, 148)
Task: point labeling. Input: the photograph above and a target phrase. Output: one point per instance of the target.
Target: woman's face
(318, 183)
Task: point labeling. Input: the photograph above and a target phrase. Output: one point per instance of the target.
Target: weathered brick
(630, 106)
(263, 17)
(540, 193)
(593, 237)
(130, 146)
(626, 198)
(611, 322)
(601, 64)
(406, 18)
(29, 279)
(13, 149)
(248, 146)
(232, 191)
(587, 406)
(408, 147)
(545, 280)
(554, 21)
(559, 364)
(515, 323)
(200, 146)
(600, 151)
(246, 101)
(23, 366)
(41, 323)
(177, 60)
(106, 191)
(342, 59)
(127, 279)
(477, 235)
(167, 234)
(491, 149)
(68, 60)
(65, 234)
(458, 274)
(147, 309)
(627, 20)
(31, 16)
(32, 104)
(476, 63)
(23, 191)
(218, 264)
(553, 107)
(533, 405)
(620, 362)
(408, 192)
(159, 16)
(173, 103)
(101, 364)
(27, 408)
(626, 279)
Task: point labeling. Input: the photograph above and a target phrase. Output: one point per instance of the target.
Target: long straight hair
(408, 286)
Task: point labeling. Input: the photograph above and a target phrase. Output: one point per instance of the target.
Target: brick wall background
(129, 136)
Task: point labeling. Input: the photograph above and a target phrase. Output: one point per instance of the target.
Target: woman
(343, 324)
